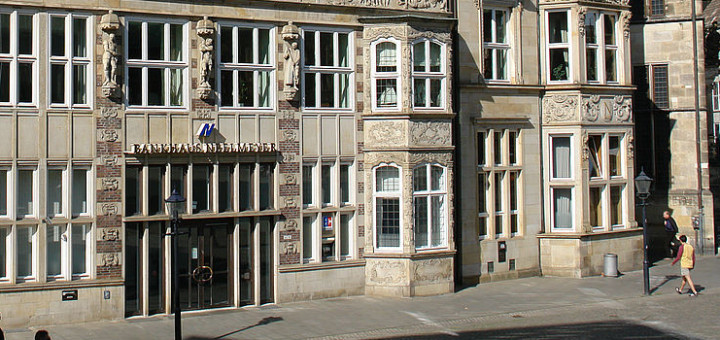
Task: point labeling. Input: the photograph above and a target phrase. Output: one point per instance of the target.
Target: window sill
(36, 286)
(577, 235)
(321, 266)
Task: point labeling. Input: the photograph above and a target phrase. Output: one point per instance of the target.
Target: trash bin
(610, 267)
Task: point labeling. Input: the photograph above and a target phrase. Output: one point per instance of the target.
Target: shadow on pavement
(595, 330)
(264, 321)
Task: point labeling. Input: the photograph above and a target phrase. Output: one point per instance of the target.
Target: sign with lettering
(205, 130)
(205, 148)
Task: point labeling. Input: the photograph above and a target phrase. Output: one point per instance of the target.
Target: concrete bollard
(610, 267)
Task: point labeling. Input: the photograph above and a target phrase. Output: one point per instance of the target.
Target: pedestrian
(2, 335)
(686, 256)
(42, 335)
(671, 230)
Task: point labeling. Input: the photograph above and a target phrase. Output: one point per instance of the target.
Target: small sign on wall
(70, 295)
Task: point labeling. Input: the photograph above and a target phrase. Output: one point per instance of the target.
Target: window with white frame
(25, 197)
(561, 186)
(70, 60)
(4, 192)
(18, 58)
(428, 74)
(429, 207)
(607, 181)
(557, 30)
(247, 66)
(499, 171)
(387, 206)
(4, 255)
(327, 236)
(601, 47)
(55, 192)
(327, 69)
(385, 61)
(26, 252)
(326, 183)
(496, 44)
(716, 95)
(156, 63)
(67, 250)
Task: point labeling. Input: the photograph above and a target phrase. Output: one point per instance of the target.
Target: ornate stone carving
(205, 30)
(109, 160)
(374, 33)
(385, 133)
(203, 114)
(287, 114)
(630, 146)
(109, 184)
(582, 12)
(424, 4)
(109, 259)
(289, 248)
(625, 22)
(291, 225)
(290, 35)
(110, 234)
(585, 139)
(591, 108)
(290, 135)
(622, 108)
(557, 108)
(683, 200)
(442, 158)
(109, 209)
(290, 179)
(109, 135)
(109, 112)
(386, 272)
(290, 203)
(433, 270)
(109, 25)
(288, 157)
(430, 133)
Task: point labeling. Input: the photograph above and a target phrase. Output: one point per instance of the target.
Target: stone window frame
(606, 181)
(14, 58)
(601, 48)
(69, 60)
(428, 75)
(493, 46)
(166, 65)
(487, 172)
(256, 67)
(336, 70)
(392, 195)
(375, 76)
(443, 211)
(550, 46)
(554, 183)
(66, 251)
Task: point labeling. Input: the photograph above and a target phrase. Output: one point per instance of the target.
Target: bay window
(558, 45)
(429, 206)
(561, 182)
(246, 66)
(496, 45)
(428, 74)
(70, 60)
(327, 69)
(18, 57)
(601, 47)
(386, 74)
(387, 206)
(156, 64)
(607, 181)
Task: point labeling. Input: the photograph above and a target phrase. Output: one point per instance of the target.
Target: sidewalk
(487, 306)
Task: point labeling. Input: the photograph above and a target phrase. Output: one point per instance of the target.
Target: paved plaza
(540, 307)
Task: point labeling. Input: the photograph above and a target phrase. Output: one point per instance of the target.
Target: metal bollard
(610, 267)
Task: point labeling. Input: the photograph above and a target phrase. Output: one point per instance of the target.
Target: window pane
(591, 28)
(176, 42)
(3, 248)
(135, 40)
(156, 190)
(512, 147)
(3, 194)
(54, 192)
(225, 187)
(420, 92)
(419, 61)
(309, 42)
(657, 7)
(436, 93)
(481, 148)
(245, 186)
(326, 184)
(437, 180)
(245, 45)
(79, 84)
(437, 226)
(201, 188)
(386, 58)
(4, 81)
(387, 179)
(57, 37)
(79, 192)
(178, 179)
(595, 206)
(609, 21)
(245, 88)
(420, 178)
(386, 92)
(561, 157)
(25, 192)
(344, 183)
(558, 26)
(79, 37)
(25, 82)
(559, 64)
(388, 222)
(514, 224)
(226, 44)
(499, 191)
(156, 41)
(266, 186)
(308, 237)
(345, 236)
(482, 192)
(328, 237)
(343, 47)
(498, 225)
(513, 191)
(53, 249)
(615, 161)
(310, 93)
(176, 87)
(307, 184)
(500, 27)
(616, 210)
(132, 191)
(610, 67)
(263, 89)
(263, 46)
(498, 147)
(482, 226)
(155, 86)
(344, 90)
(487, 25)
(25, 36)
(420, 208)
(327, 90)
(327, 52)
(24, 251)
(660, 86)
(226, 88)
(57, 81)
(80, 236)
(562, 204)
(596, 157)
(4, 33)
(435, 57)
(591, 64)
(135, 86)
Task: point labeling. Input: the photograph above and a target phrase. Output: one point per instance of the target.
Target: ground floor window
(328, 236)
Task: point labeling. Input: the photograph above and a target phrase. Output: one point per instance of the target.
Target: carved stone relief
(630, 145)
(625, 22)
(290, 35)
(109, 209)
(430, 133)
(110, 234)
(289, 248)
(559, 108)
(291, 225)
(386, 272)
(109, 135)
(109, 184)
(109, 26)
(109, 259)
(290, 179)
(582, 12)
(205, 30)
(442, 158)
(203, 114)
(683, 200)
(109, 160)
(585, 139)
(591, 108)
(622, 108)
(433, 270)
(385, 133)
(290, 203)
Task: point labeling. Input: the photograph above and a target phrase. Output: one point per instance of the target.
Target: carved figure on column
(291, 34)
(109, 25)
(205, 30)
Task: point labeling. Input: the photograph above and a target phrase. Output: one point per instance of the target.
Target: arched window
(386, 197)
(429, 206)
(386, 74)
(428, 74)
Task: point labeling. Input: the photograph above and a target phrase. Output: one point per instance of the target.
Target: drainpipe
(698, 139)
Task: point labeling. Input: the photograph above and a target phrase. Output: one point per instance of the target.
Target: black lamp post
(642, 190)
(175, 206)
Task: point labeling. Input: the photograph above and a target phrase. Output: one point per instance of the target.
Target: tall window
(657, 7)
(601, 47)
(17, 58)
(561, 187)
(607, 181)
(387, 206)
(495, 44)
(428, 74)
(652, 86)
(55, 194)
(80, 192)
(246, 66)
(4, 191)
(327, 70)
(156, 63)
(386, 74)
(558, 45)
(67, 250)
(499, 166)
(4, 256)
(429, 208)
(202, 188)
(26, 252)
(25, 193)
(70, 60)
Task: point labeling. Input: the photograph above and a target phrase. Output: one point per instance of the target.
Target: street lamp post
(175, 204)
(642, 190)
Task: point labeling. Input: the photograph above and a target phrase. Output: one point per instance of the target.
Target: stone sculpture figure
(110, 59)
(206, 62)
(205, 30)
(292, 64)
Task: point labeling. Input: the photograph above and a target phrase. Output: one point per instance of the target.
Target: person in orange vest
(686, 256)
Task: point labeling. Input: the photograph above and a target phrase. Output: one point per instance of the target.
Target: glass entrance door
(203, 265)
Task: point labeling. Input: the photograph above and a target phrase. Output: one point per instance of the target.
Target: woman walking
(686, 256)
